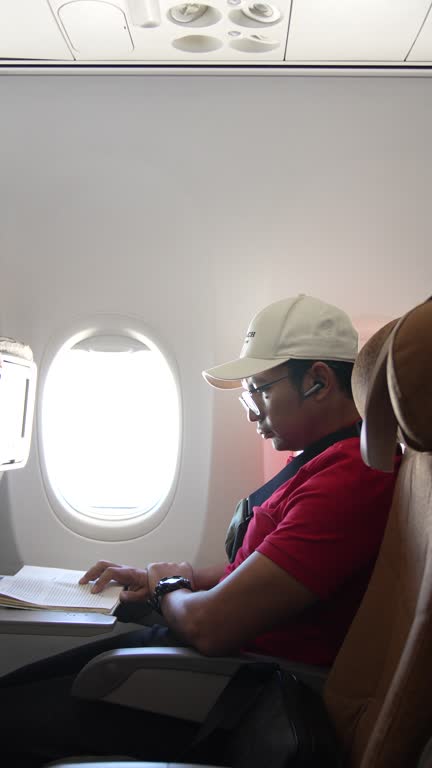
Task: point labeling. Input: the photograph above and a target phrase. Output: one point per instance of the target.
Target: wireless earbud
(315, 388)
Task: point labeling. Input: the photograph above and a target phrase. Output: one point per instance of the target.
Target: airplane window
(110, 427)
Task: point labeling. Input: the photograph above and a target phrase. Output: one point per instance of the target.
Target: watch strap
(166, 585)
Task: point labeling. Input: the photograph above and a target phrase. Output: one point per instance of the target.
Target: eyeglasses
(247, 397)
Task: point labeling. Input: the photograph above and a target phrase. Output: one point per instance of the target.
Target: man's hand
(140, 583)
(135, 579)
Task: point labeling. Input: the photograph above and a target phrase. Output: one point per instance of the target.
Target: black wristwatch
(165, 585)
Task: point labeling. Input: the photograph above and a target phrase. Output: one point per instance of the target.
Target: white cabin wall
(191, 202)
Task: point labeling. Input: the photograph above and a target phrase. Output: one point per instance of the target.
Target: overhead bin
(422, 48)
(354, 30)
(28, 30)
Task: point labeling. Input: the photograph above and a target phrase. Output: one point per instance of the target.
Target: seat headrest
(365, 363)
(392, 386)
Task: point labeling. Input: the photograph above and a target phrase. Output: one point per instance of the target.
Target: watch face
(168, 584)
(171, 579)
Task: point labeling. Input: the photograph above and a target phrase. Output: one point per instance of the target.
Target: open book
(55, 589)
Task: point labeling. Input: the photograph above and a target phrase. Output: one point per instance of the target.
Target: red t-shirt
(324, 527)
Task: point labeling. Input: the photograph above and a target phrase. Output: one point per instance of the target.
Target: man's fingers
(133, 578)
(113, 573)
(96, 570)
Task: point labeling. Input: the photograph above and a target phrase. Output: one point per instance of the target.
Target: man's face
(285, 417)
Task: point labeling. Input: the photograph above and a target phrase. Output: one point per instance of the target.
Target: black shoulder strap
(244, 511)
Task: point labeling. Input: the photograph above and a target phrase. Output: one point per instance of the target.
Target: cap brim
(230, 375)
(379, 429)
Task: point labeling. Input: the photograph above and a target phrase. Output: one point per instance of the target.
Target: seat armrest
(179, 682)
(171, 681)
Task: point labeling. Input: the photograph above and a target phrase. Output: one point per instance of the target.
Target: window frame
(93, 528)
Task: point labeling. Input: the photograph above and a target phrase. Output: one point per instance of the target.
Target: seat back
(379, 692)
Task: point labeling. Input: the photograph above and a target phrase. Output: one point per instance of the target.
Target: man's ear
(317, 380)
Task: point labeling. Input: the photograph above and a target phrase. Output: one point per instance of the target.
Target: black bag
(267, 718)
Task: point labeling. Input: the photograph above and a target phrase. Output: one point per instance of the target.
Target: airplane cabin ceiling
(290, 33)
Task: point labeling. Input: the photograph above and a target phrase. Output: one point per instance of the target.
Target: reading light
(144, 13)
(188, 12)
(263, 12)
(263, 39)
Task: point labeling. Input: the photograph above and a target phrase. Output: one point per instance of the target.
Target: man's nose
(252, 416)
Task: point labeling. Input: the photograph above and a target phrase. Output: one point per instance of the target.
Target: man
(297, 579)
(299, 576)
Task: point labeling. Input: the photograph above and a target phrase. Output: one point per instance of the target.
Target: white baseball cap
(300, 328)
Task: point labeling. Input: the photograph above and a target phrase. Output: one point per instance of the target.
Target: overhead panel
(233, 32)
(354, 30)
(96, 30)
(28, 30)
(238, 31)
(422, 48)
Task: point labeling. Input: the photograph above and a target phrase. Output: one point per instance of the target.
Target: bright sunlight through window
(110, 427)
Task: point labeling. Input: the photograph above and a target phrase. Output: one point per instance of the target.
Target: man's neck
(343, 415)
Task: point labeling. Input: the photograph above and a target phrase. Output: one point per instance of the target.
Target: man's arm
(255, 598)
(206, 578)
(136, 579)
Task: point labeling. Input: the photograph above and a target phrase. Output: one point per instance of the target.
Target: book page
(57, 588)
